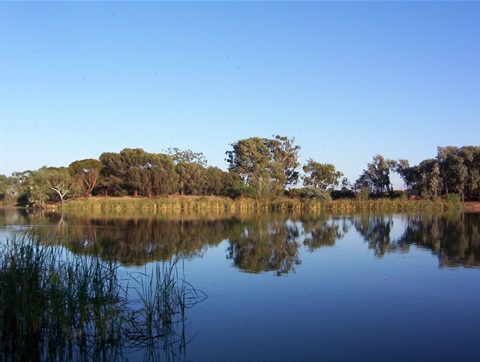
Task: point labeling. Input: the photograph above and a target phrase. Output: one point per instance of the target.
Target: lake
(295, 287)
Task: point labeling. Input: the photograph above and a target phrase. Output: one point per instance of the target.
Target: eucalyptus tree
(285, 162)
(215, 181)
(9, 189)
(86, 173)
(191, 170)
(60, 181)
(321, 175)
(376, 178)
(111, 180)
(453, 170)
(429, 182)
(138, 173)
(163, 178)
(265, 165)
(35, 191)
(135, 173)
(471, 158)
(460, 170)
(187, 156)
(191, 178)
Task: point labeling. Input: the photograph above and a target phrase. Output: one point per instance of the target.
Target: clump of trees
(455, 171)
(263, 168)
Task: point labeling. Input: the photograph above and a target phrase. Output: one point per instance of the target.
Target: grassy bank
(227, 206)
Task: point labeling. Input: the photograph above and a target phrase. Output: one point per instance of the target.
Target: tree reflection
(453, 238)
(137, 241)
(321, 231)
(376, 230)
(262, 245)
(256, 243)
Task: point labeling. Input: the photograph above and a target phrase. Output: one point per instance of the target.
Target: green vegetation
(264, 171)
(59, 306)
(226, 206)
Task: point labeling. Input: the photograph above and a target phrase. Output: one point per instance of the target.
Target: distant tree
(346, 191)
(187, 156)
(285, 162)
(163, 178)
(191, 178)
(111, 181)
(453, 170)
(137, 173)
(86, 174)
(460, 169)
(429, 182)
(190, 168)
(33, 187)
(60, 181)
(471, 158)
(376, 178)
(265, 165)
(9, 189)
(215, 181)
(320, 175)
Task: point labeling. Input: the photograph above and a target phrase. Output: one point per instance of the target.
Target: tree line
(257, 168)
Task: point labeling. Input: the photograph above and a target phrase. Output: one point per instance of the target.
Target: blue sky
(348, 80)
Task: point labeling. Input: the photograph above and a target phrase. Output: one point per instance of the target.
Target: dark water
(303, 287)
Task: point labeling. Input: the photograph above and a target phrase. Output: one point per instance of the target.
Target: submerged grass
(59, 306)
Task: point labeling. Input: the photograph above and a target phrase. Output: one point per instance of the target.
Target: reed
(225, 206)
(59, 306)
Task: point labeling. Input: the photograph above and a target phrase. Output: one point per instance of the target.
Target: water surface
(304, 287)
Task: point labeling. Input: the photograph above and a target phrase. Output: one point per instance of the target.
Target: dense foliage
(260, 168)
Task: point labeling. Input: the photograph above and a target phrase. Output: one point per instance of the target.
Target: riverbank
(472, 206)
(223, 205)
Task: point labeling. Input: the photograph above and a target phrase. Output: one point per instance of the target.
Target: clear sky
(347, 80)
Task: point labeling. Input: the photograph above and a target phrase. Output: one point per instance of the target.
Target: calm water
(304, 288)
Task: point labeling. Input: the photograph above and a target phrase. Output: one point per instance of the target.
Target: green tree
(59, 180)
(35, 190)
(285, 162)
(430, 182)
(191, 178)
(471, 158)
(265, 165)
(460, 170)
(215, 181)
(376, 178)
(111, 180)
(135, 173)
(163, 178)
(190, 168)
(453, 170)
(138, 173)
(187, 156)
(86, 174)
(321, 175)
(10, 189)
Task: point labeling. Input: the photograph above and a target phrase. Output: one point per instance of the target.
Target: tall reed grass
(226, 206)
(58, 306)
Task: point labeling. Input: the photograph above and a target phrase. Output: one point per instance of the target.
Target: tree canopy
(257, 167)
(265, 165)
